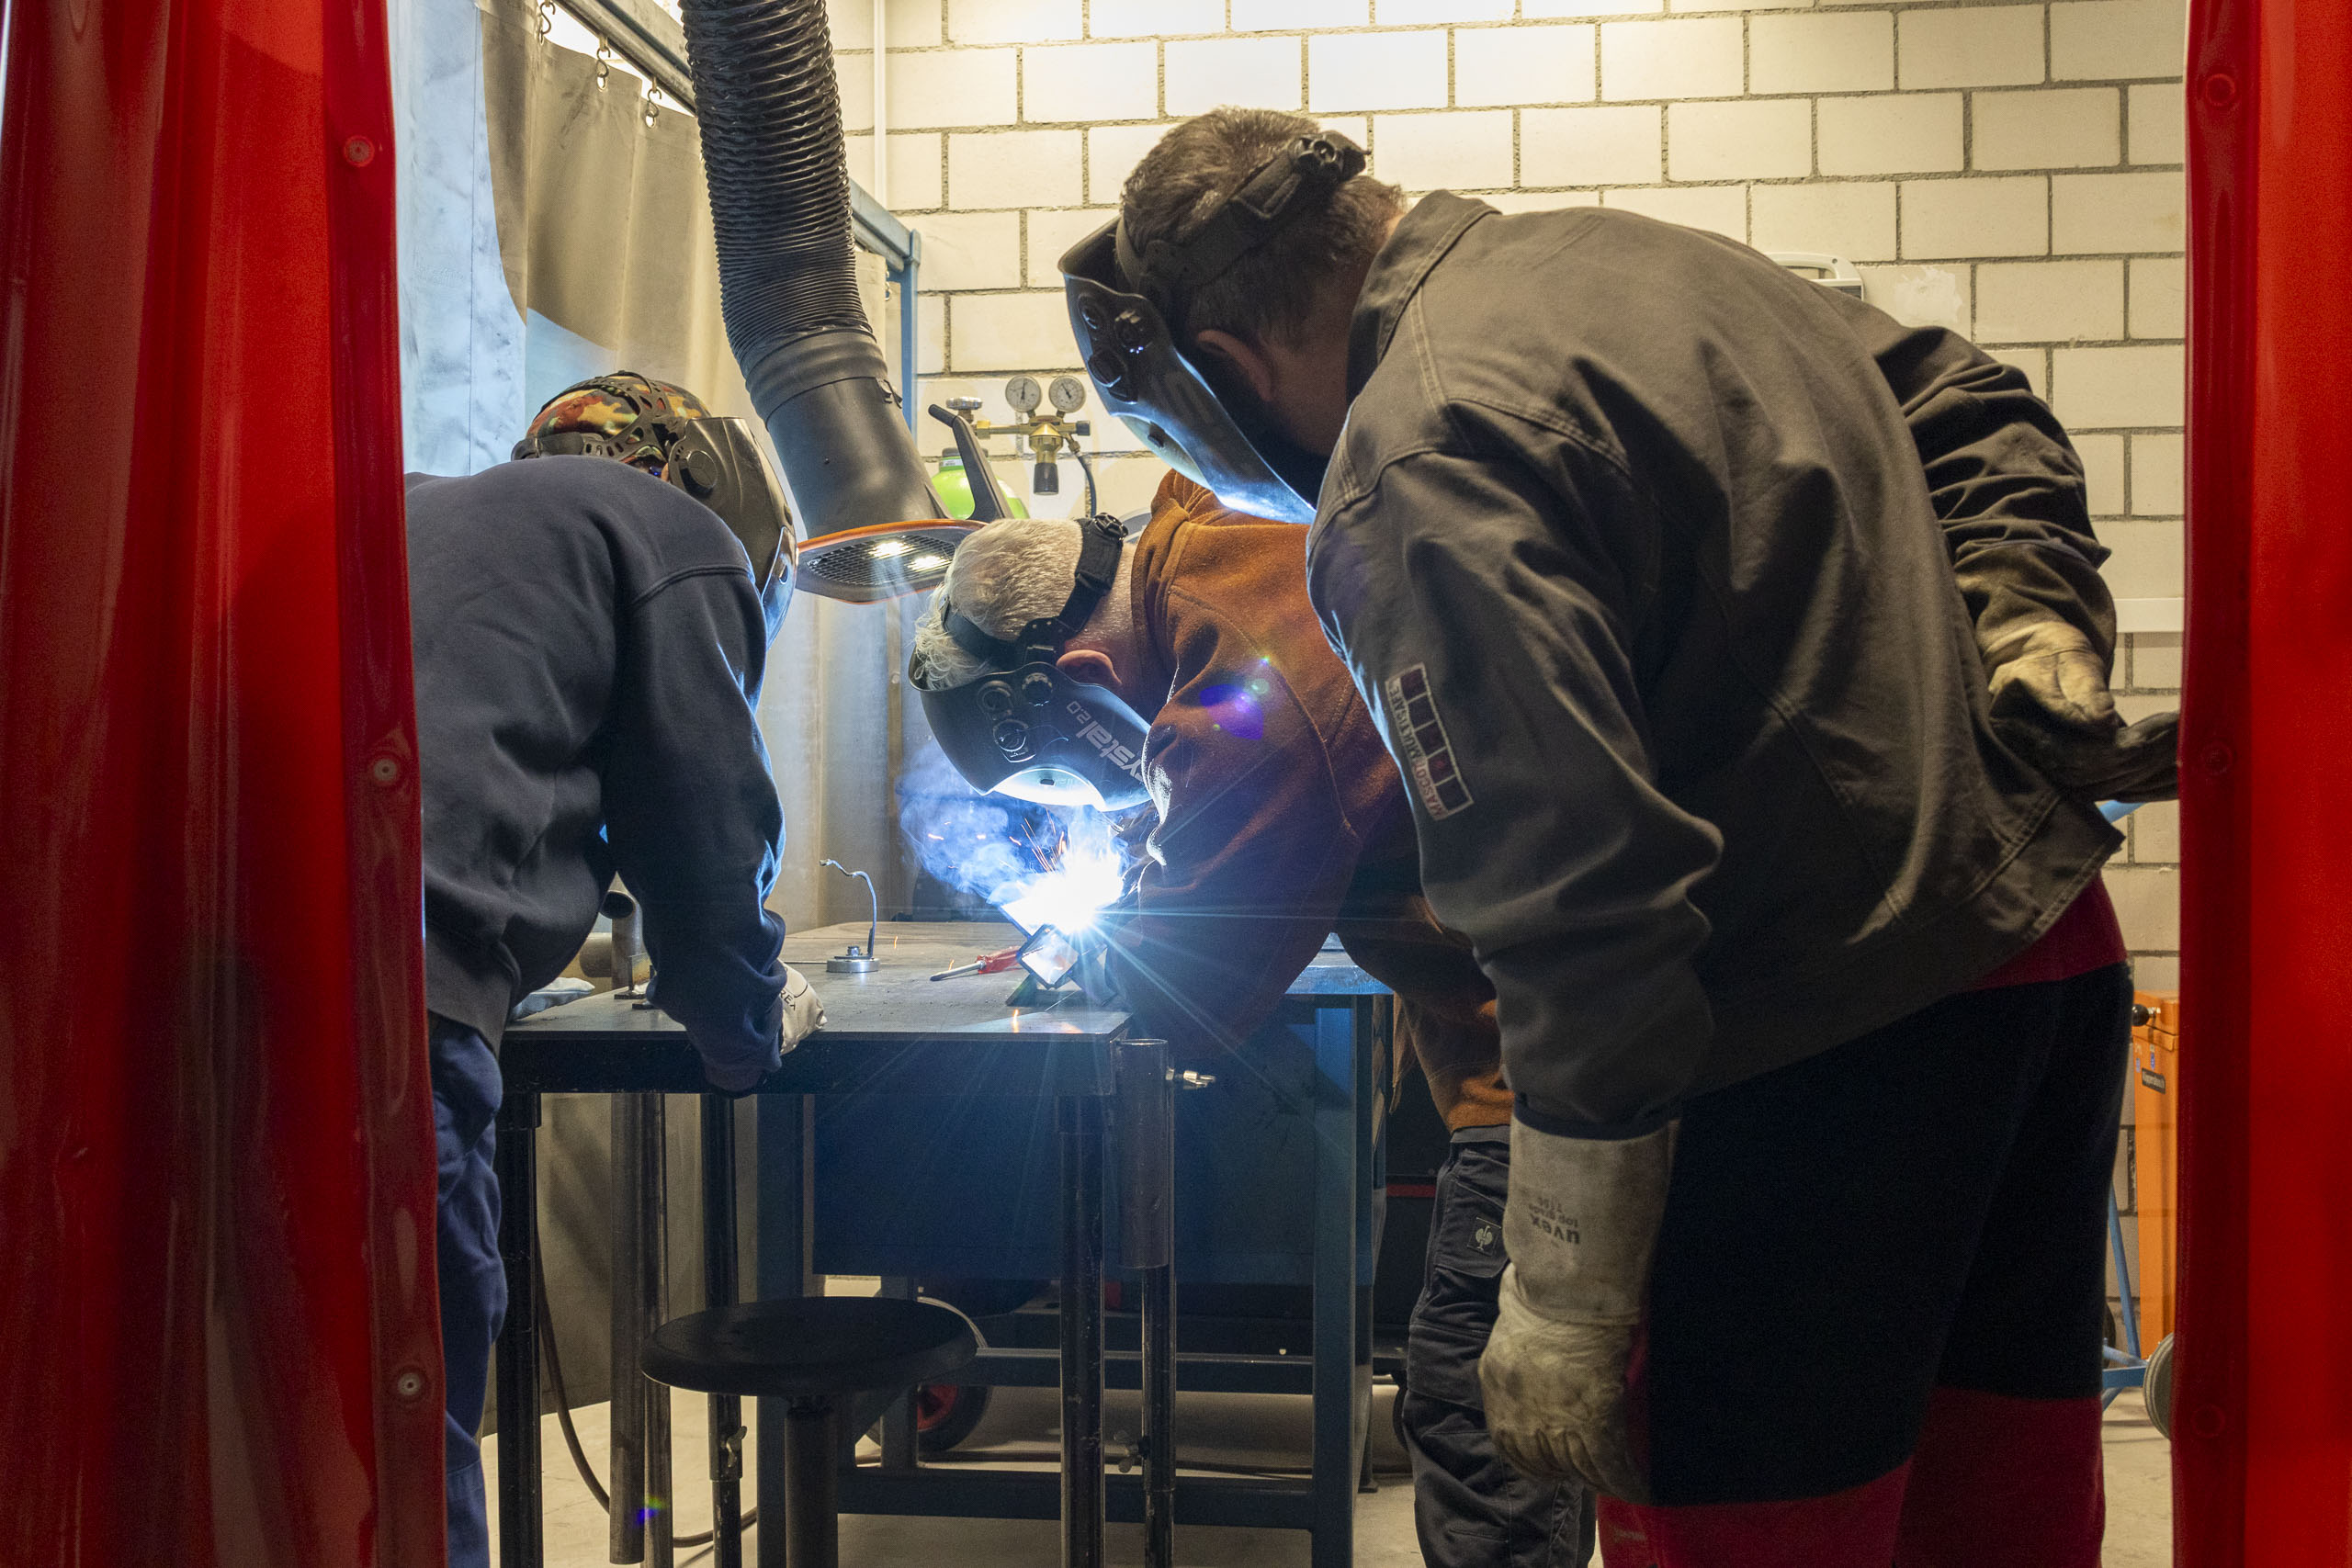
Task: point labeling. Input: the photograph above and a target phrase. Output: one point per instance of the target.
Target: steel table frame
(605, 1045)
(1346, 1013)
(576, 1050)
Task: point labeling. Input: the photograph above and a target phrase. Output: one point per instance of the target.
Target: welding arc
(563, 1411)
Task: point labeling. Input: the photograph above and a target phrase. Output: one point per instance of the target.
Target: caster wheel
(2155, 1388)
(946, 1414)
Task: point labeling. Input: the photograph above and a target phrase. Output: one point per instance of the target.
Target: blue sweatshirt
(589, 647)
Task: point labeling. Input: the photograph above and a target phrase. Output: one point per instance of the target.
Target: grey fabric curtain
(551, 230)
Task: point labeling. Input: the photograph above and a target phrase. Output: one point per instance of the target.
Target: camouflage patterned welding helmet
(668, 433)
(626, 416)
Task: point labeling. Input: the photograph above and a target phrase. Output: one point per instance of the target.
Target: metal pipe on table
(1146, 1108)
(718, 1290)
(1077, 1120)
(521, 1540)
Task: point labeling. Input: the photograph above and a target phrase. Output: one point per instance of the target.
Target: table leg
(1338, 1068)
(718, 1290)
(1145, 1107)
(1079, 1120)
(521, 1541)
(898, 1441)
(625, 1472)
(653, 1306)
(783, 1258)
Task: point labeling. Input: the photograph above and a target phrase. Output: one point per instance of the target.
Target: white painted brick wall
(1701, 58)
(2009, 168)
(1843, 52)
(1607, 145)
(2066, 129)
(1739, 139)
(1988, 46)
(1895, 133)
(1506, 66)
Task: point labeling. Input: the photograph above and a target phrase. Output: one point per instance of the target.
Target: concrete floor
(1268, 1430)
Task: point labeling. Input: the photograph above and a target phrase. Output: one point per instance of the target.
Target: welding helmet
(1024, 727)
(1128, 309)
(667, 431)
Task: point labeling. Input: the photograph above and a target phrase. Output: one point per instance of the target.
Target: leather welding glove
(793, 1016)
(799, 1013)
(1580, 1226)
(2048, 676)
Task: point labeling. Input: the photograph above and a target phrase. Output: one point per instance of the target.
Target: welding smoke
(1040, 864)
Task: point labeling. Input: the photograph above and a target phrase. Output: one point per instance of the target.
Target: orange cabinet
(2155, 1180)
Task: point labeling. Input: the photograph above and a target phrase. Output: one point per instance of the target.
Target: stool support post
(812, 1485)
(718, 1290)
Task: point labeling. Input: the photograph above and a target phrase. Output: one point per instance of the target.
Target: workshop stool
(813, 1353)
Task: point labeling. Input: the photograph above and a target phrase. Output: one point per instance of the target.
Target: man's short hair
(1003, 576)
(1273, 291)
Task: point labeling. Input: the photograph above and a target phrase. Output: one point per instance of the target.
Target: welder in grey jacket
(589, 642)
(1746, 659)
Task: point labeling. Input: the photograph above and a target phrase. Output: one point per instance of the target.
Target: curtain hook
(652, 105)
(546, 19)
(603, 63)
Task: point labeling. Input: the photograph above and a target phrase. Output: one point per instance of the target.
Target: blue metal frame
(2128, 1367)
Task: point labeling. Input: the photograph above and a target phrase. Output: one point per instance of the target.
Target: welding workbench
(894, 1033)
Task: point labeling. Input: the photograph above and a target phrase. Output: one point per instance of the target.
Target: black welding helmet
(1128, 310)
(1024, 729)
(666, 430)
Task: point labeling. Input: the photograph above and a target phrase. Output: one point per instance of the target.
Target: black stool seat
(809, 1346)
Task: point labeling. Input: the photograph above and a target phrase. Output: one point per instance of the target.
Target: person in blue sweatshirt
(591, 624)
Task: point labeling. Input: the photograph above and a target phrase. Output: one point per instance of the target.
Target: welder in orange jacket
(1280, 819)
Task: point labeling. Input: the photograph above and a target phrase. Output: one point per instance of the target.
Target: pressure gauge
(1022, 394)
(1067, 391)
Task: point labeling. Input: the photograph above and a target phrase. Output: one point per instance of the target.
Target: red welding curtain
(218, 1341)
(2262, 1411)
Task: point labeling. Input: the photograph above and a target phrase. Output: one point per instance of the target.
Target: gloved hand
(795, 1015)
(2048, 675)
(2050, 706)
(1580, 1226)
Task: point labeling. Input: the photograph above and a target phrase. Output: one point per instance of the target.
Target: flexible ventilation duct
(771, 151)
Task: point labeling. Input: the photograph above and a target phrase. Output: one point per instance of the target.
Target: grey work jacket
(1630, 547)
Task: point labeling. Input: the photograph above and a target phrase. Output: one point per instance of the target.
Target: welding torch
(987, 963)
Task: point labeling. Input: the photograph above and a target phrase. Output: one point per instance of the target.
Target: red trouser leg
(1854, 1528)
(2001, 1479)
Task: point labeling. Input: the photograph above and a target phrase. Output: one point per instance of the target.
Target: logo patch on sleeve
(1422, 745)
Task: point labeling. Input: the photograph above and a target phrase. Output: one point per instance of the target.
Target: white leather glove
(1580, 1226)
(795, 1015)
(799, 1013)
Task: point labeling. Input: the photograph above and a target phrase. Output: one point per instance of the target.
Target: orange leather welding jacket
(1280, 815)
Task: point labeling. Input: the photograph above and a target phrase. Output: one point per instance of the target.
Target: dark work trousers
(1875, 1314)
(474, 1279)
(1470, 1509)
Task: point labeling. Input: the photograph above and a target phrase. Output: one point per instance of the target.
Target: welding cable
(554, 1361)
(1087, 469)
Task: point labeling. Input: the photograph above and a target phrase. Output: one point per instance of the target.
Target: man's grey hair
(1275, 291)
(1003, 576)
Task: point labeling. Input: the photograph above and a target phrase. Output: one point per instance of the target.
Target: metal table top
(892, 1028)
